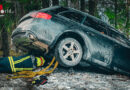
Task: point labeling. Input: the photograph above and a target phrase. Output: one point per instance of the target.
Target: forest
(114, 12)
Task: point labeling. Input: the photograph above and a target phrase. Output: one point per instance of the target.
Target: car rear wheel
(68, 52)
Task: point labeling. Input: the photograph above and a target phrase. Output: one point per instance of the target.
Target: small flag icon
(1, 9)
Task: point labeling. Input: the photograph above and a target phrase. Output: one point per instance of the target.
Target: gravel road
(81, 78)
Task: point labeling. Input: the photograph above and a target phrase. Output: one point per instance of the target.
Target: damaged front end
(25, 39)
(28, 42)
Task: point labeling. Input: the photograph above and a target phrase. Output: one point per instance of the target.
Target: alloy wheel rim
(70, 51)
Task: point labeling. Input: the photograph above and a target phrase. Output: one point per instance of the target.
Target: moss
(12, 53)
(1, 53)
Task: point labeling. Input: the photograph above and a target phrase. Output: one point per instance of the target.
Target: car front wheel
(68, 52)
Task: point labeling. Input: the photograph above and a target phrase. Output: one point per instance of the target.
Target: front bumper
(29, 43)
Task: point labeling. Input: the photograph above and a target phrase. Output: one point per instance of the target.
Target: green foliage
(63, 3)
(24, 1)
(122, 23)
(10, 20)
(74, 1)
(110, 15)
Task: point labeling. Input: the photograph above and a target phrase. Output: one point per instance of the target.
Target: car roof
(58, 9)
(54, 9)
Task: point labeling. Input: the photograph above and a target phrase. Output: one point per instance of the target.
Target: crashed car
(73, 36)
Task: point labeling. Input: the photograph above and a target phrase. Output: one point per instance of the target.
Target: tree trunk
(127, 18)
(55, 2)
(69, 3)
(66, 3)
(5, 43)
(82, 5)
(115, 13)
(77, 4)
(18, 6)
(45, 3)
(92, 7)
(18, 11)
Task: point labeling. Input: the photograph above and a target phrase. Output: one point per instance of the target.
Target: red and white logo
(1, 9)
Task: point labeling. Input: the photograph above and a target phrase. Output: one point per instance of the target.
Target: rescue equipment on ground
(40, 80)
(31, 74)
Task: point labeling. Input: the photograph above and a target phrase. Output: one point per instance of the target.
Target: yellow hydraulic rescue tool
(31, 74)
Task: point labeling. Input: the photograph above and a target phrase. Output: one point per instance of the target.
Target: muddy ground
(81, 78)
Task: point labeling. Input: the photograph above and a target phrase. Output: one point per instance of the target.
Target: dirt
(81, 78)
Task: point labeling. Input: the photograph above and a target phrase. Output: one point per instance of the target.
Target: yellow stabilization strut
(30, 74)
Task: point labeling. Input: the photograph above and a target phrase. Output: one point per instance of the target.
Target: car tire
(68, 52)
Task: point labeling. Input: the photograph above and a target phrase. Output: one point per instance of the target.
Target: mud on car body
(74, 36)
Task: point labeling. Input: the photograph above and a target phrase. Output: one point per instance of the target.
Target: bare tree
(69, 3)
(82, 5)
(5, 43)
(45, 3)
(55, 2)
(127, 17)
(66, 3)
(74, 4)
(92, 7)
(116, 13)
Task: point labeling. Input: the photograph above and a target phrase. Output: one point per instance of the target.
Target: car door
(121, 54)
(101, 46)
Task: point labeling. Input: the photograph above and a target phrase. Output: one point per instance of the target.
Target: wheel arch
(78, 36)
(72, 35)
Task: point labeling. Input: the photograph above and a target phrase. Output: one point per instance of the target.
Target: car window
(116, 35)
(73, 16)
(96, 24)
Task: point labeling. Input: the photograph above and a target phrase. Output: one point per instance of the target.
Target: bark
(92, 7)
(66, 3)
(55, 2)
(69, 3)
(82, 5)
(45, 3)
(77, 5)
(18, 11)
(127, 18)
(74, 4)
(18, 8)
(5, 43)
(115, 13)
